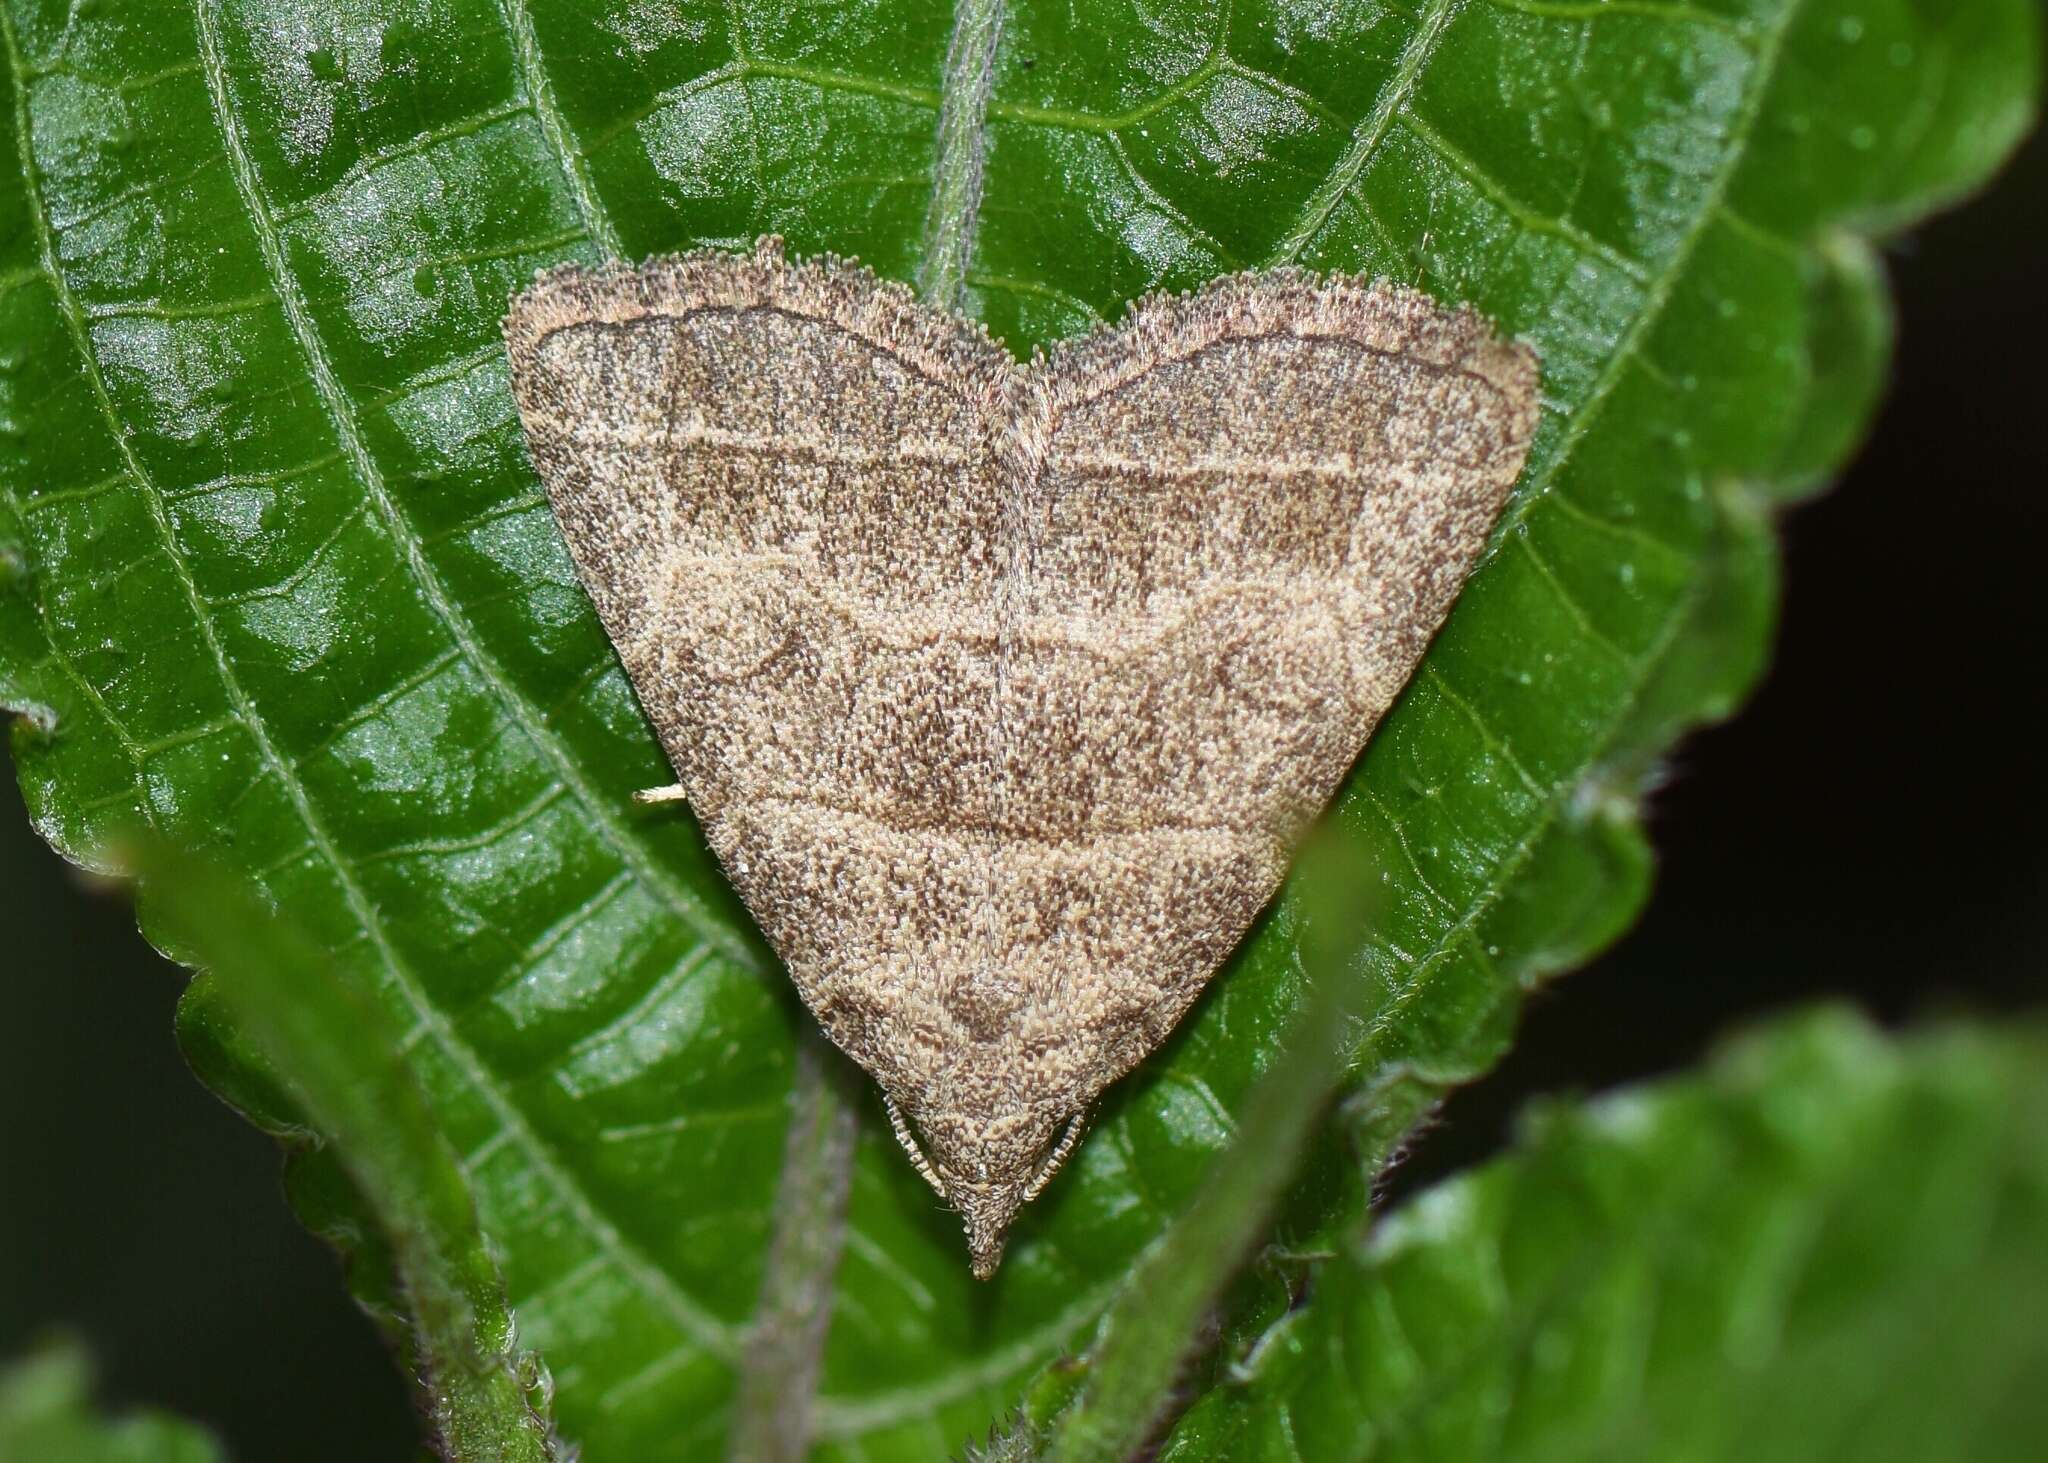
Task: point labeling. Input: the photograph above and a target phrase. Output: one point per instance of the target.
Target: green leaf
(276, 581)
(46, 1414)
(344, 1067)
(1828, 1246)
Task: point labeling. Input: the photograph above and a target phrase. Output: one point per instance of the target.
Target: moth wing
(1256, 507)
(770, 478)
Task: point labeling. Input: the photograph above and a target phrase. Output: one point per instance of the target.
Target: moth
(1004, 691)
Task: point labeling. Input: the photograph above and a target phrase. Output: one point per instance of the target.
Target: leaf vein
(1658, 292)
(1532, 220)
(1365, 143)
(540, 94)
(340, 412)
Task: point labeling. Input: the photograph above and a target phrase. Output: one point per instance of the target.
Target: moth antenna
(673, 793)
(1054, 1159)
(917, 1158)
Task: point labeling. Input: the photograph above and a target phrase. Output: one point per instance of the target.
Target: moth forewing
(1003, 692)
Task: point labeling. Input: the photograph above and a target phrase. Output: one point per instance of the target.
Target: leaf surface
(276, 579)
(1827, 1246)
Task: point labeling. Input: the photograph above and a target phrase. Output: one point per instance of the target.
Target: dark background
(1869, 828)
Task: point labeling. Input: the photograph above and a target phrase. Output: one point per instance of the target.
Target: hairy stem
(772, 1419)
(347, 1077)
(962, 142)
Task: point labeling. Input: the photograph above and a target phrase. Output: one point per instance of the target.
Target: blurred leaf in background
(46, 1414)
(1827, 1246)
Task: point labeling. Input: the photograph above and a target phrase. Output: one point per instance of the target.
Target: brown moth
(1004, 692)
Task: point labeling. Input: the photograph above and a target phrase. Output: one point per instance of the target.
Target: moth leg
(917, 1158)
(673, 793)
(1054, 1159)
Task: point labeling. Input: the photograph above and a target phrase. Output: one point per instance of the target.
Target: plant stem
(1154, 1325)
(785, 1347)
(343, 1066)
(957, 167)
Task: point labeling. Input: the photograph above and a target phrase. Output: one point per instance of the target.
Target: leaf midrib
(946, 257)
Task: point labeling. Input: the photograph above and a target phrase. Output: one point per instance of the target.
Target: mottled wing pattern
(1253, 509)
(1003, 694)
(777, 482)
